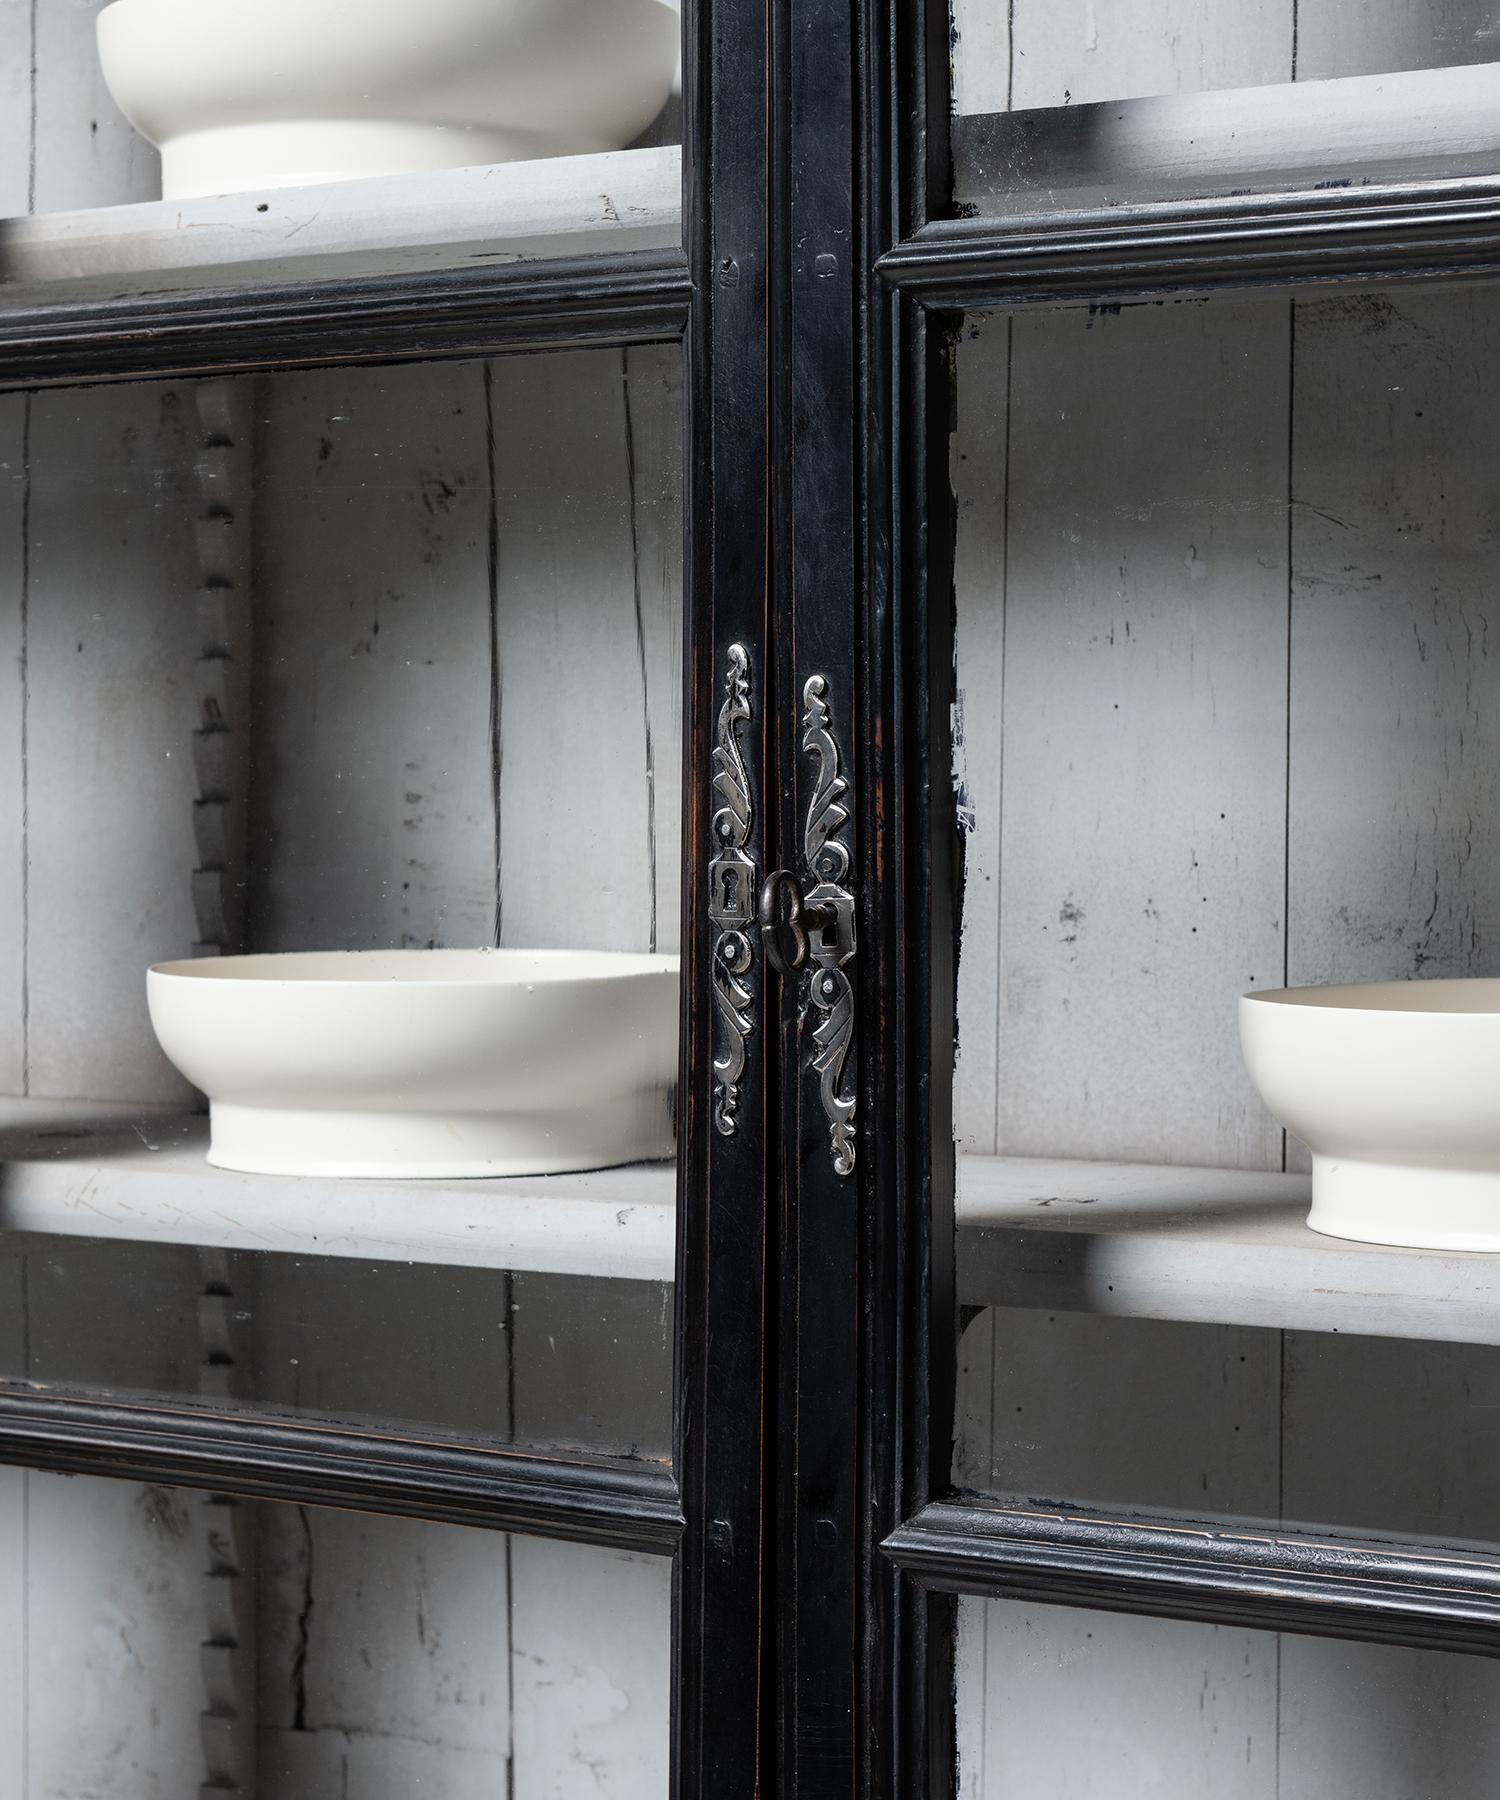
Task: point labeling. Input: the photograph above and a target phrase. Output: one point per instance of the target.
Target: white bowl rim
(551, 967)
(1452, 997)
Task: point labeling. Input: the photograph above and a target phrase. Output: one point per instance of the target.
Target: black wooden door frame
(874, 1544)
(819, 1542)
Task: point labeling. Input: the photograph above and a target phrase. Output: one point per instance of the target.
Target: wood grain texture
(1398, 34)
(1101, 1707)
(114, 1627)
(1222, 1245)
(1394, 746)
(372, 808)
(576, 822)
(654, 422)
(980, 463)
(1143, 820)
(15, 482)
(13, 1634)
(72, 1173)
(383, 1657)
(15, 107)
(591, 1650)
(110, 654)
(1038, 53)
(87, 154)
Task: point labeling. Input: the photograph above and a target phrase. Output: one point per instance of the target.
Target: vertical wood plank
(1144, 729)
(111, 644)
(372, 819)
(972, 1697)
(654, 418)
(1394, 738)
(114, 1632)
(14, 480)
(591, 1661)
(1062, 52)
(87, 153)
(1100, 1706)
(980, 468)
(1374, 1723)
(15, 107)
(1398, 34)
(13, 1634)
(575, 814)
(384, 1665)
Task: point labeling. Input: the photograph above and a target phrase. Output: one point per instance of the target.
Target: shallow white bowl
(266, 93)
(426, 1062)
(1395, 1088)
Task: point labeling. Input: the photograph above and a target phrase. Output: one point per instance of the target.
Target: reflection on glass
(164, 1642)
(1226, 602)
(1075, 1703)
(1078, 104)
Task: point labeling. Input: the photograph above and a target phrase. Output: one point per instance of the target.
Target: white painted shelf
(77, 1170)
(1201, 1244)
(625, 200)
(1129, 1239)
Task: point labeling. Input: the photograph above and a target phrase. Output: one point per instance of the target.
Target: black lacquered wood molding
(621, 1504)
(1415, 231)
(1331, 1588)
(585, 301)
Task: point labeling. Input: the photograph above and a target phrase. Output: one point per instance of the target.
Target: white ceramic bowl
(426, 1062)
(267, 93)
(1395, 1088)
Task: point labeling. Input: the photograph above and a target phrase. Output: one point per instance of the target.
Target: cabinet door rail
(1416, 230)
(615, 1502)
(625, 298)
(1375, 1590)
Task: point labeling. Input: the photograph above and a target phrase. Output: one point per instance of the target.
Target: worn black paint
(621, 298)
(623, 1503)
(816, 1328)
(1382, 1592)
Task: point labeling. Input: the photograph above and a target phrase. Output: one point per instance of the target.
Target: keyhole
(730, 902)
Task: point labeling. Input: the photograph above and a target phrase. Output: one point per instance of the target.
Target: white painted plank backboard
(87, 154)
(1144, 621)
(591, 1648)
(15, 413)
(110, 655)
(114, 1627)
(15, 106)
(1101, 1706)
(655, 421)
(575, 812)
(372, 819)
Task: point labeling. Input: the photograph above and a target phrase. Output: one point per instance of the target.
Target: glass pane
(161, 1642)
(1084, 104)
(1226, 596)
(1075, 1703)
(142, 151)
(360, 661)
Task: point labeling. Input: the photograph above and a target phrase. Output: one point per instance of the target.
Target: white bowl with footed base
(244, 94)
(1395, 1089)
(429, 1063)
